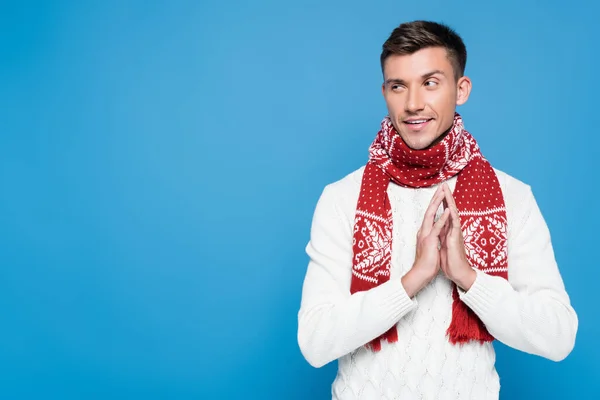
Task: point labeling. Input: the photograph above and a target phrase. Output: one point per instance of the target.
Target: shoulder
(518, 199)
(348, 184)
(512, 187)
(343, 194)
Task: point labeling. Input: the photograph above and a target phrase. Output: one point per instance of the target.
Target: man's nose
(414, 102)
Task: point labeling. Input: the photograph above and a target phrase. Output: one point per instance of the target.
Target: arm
(531, 311)
(331, 321)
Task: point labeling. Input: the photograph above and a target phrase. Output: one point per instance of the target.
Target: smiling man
(423, 257)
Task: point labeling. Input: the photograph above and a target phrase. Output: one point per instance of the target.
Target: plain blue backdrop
(160, 163)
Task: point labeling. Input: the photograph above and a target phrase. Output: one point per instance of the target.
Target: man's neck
(440, 138)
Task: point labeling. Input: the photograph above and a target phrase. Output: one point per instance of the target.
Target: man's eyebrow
(394, 80)
(424, 76)
(434, 72)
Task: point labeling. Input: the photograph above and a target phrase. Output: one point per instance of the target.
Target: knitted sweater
(530, 312)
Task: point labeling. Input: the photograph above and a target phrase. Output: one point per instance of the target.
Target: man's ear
(463, 91)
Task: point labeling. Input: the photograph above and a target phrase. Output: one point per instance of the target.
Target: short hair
(410, 37)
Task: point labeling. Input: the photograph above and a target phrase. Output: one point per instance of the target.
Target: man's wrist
(414, 280)
(467, 279)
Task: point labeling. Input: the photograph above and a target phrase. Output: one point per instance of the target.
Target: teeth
(417, 122)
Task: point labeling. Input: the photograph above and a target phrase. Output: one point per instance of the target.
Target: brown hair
(410, 37)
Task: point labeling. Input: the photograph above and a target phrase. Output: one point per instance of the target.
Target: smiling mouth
(417, 124)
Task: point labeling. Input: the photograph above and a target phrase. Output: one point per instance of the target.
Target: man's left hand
(453, 258)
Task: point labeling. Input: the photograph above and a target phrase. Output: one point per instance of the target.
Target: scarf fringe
(465, 325)
(391, 336)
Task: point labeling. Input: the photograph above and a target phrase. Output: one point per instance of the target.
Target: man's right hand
(427, 259)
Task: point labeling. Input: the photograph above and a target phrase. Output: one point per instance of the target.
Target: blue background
(160, 163)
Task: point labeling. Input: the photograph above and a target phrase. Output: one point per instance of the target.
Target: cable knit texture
(530, 311)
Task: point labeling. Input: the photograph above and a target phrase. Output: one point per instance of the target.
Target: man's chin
(418, 143)
(421, 140)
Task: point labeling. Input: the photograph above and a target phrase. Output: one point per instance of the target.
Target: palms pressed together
(453, 259)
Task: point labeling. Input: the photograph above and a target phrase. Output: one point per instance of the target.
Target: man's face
(421, 94)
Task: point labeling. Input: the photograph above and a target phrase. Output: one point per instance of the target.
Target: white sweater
(530, 312)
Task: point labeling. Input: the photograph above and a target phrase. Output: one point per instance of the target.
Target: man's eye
(430, 83)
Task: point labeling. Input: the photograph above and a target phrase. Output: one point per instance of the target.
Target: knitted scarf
(480, 206)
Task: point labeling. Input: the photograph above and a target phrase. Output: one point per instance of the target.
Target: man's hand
(453, 258)
(427, 259)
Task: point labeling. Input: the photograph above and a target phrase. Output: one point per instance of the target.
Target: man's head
(423, 66)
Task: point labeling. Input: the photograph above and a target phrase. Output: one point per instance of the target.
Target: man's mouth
(417, 123)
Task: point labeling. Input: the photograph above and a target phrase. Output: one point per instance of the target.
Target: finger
(437, 227)
(445, 228)
(448, 197)
(431, 210)
(451, 204)
(455, 218)
(443, 237)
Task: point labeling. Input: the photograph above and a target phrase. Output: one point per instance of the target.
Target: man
(425, 255)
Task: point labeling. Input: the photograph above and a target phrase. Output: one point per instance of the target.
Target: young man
(425, 255)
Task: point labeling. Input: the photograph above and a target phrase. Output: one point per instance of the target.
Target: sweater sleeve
(530, 312)
(331, 321)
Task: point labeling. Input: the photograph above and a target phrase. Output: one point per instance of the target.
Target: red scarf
(478, 198)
